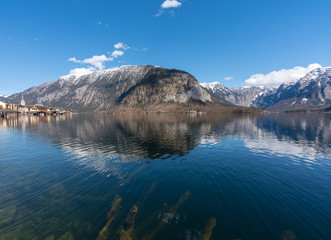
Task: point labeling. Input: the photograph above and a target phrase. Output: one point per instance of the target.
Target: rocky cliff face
(161, 86)
(244, 96)
(310, 92)
(125, 86)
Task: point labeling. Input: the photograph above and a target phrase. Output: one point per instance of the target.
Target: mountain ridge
(134, 86)
(127, 86)
(311, 92)
(244, 96)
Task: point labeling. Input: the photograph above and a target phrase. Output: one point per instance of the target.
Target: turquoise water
(158, 176)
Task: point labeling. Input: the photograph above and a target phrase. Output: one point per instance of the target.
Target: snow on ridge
(212, 85)
(77, 74)
(315, 74)
(219, 85)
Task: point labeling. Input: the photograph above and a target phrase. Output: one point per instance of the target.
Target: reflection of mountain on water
(102, 141)
(309, 128)
(304, 136)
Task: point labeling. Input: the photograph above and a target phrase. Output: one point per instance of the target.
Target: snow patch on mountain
(313, 91)
(244, 96)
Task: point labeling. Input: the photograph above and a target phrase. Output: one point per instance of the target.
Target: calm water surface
(161, 176)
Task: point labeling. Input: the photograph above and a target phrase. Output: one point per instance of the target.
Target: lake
(164, 176)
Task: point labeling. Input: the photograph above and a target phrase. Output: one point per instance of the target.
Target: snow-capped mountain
(244, 96)
(313, 91)
(3, 97)
(142, 85)
(124, 86)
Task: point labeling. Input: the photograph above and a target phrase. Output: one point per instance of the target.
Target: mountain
(312, 92)
(244, 96)
(127, 86)
(2, 97)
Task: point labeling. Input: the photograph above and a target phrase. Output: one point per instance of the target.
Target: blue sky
(213, 40)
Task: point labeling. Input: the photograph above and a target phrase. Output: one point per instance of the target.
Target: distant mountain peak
(243, 96)
(313, 91)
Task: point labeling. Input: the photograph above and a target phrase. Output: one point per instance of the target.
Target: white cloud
(160, 12)
(97, 61)
(276, 78)
(167, 4)
(81, 71)
(140, 49)
(228, 78)
(121, 45)
(171, 4)
(73, 59)
(117, 53)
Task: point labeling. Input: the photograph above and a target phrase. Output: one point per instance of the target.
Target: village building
(34, 110)
(23, 109)
(3, 105)
(11, 106)
(22, 101)
(39, 109)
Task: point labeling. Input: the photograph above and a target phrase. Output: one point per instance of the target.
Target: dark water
(166, 177)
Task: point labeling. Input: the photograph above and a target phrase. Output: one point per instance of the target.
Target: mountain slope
(313, 91)
(244, 96)
(126, 86)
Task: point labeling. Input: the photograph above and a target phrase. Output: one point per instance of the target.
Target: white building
(3, 105)
(22, 101)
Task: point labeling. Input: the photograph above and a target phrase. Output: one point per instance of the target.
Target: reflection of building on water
(27, 121)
